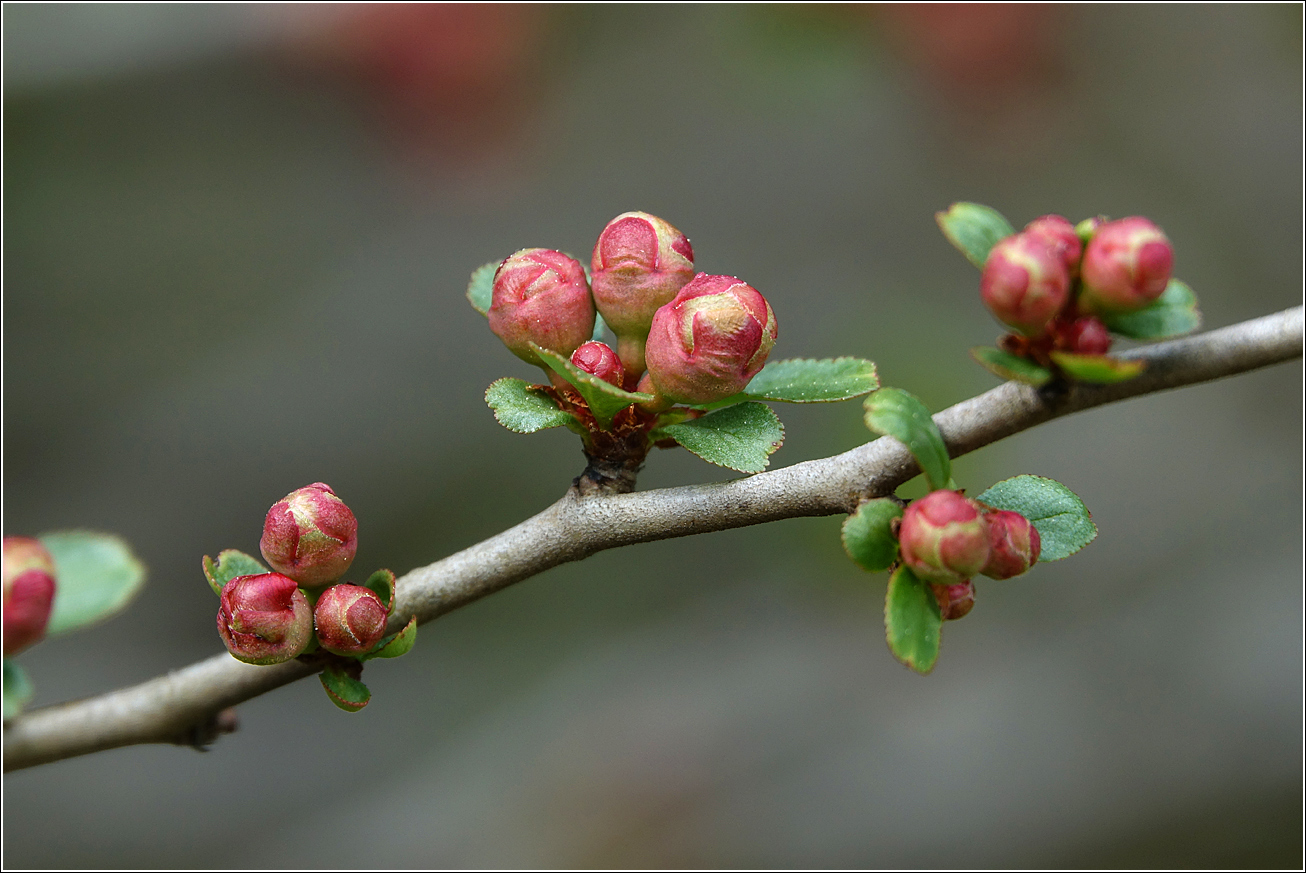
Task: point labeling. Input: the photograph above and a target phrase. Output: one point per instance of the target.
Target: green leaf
(230, 564)
(1175, 312)
(397, 644)
(349, 694)
(893, 412)
(522, 408)
(96, 575)
(18, 689)
(480, 291)
(803, 380)
(1011, 367)
(739, 437)
(604, 399)
(382, 584)
(868, 534)
(1101, 369)
(973, 229)
(1063, 522)
(912, 622)
(600, 326)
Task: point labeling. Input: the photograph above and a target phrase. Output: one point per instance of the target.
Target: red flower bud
(28, 572)
(264, 619)
(1060, 234)
(709, 341)
(1084, 336)
(310, 536)
(1013, 544)
(944, 538)
(541, 296)
(1025, 282)
(350, 619)
(1126, 266)
(598, 359)
(954, 600)
(639, 263)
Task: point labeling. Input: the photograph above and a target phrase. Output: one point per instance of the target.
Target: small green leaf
(600, 326)
(912, 622)
(1175, 312)
(1063, 523)
(868, 534)
(604, 399)
(1101, 369)
(1011, 367)
(96, 575)
(973, 229)
(382, 584)
(740, 437)
(397, 644)
(523, 409)
(803, 380)
(230, 564)
(893, 412)
(480, 291)
(349, 694)
(18, 689)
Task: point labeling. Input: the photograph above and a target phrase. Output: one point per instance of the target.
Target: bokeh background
(236, 240)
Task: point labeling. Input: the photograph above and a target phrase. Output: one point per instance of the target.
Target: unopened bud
(710, 341)
(350, 619)
(1126, 266)
(540, 296)
(264, 619)
(1060, 234)
(1013, 544)
(28, 572)
(1086, 335)
(598, 359)
(1025, 283)
(944, 538)
(310, 536)
(954, 600)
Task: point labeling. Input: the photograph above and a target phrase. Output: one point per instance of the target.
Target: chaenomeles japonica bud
(350, 619)
(310, 536)
(28, 592)
(540, 296)
(638, 265)
(1059, 233)
(944, 537)
(1013, 544)
(954, 600)
(598, 359)
(264, 619)
(1086, 335)
(710, 341)
(1025, 282)
(1126, 266)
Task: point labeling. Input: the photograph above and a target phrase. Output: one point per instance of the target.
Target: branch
(186, 706)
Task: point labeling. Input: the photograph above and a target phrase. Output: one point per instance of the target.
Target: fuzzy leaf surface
(1174, 313)
(1099, 369)
(974, 229)
(521, 409)
(349, 694)
(893, 412)
(230, 564)
(805, 380)
(913, 625)
(1063, 522)
(96, 575)
(480, 290)
(605, 399)
(1010, 367)
(18, 689)
(740, 437)
(868, 534)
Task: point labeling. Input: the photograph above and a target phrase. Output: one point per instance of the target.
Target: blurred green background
(236, 241)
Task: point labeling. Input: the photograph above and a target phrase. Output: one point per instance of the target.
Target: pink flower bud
(598, 359)
(350, 619)
(264, 619)
(954, 600)
(944, 538)
(1084, 336)
(709, 341)
(1126, 266)
(639, 263)
(1025, 283)
(1013, 544)
(541, 296)
(29, 586)
(310, 536)
(1060, 234)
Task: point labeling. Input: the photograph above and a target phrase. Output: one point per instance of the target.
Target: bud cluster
(945, 539)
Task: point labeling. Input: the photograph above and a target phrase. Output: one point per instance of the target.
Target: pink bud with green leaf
(310, 536)
(264, 619)
(944, 537)
(1025, 282)
(540, 296)
(710, 341)
(955, 600)
(1014, 544)
(1126, 266)
(350, 619)
(598, 359)
(28, 571)
(1060, 235)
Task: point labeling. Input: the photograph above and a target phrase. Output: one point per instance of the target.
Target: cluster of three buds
(945, 539)
(701, 338)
